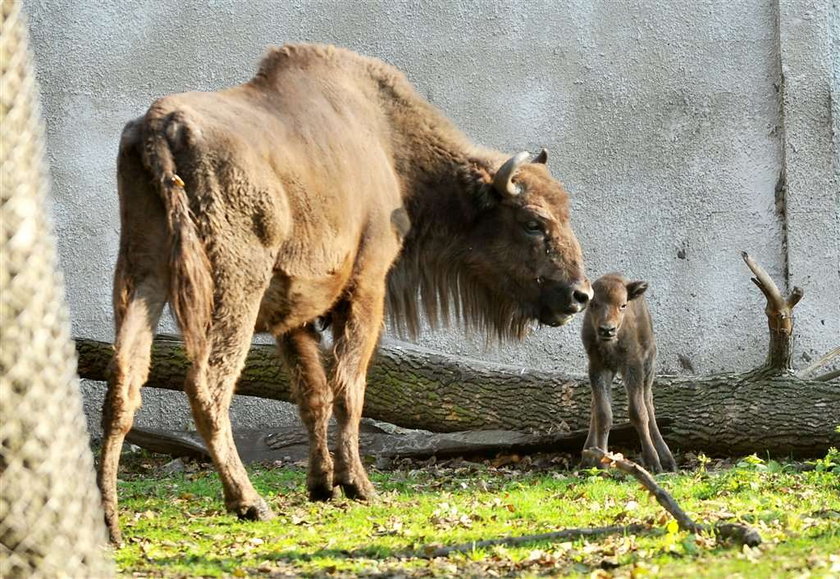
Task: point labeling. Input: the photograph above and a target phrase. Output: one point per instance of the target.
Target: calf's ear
(635, 289)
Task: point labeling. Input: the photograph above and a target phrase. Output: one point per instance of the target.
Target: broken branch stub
(779, 313)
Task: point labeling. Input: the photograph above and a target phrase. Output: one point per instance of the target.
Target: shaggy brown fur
(618, 337)
(286, 200)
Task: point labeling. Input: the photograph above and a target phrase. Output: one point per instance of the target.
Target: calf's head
(522, 244)
(607, 308)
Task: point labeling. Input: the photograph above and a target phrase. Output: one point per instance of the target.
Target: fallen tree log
(759, 411)
(290, 443)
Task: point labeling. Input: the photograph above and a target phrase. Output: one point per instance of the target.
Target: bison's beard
(443, 289)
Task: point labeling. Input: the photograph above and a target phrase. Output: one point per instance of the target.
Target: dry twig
(822, 361)
(827, 376)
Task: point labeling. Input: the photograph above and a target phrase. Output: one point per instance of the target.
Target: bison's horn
(502, 180)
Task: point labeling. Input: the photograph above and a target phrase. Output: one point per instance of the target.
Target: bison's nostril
(606, 330)
(580, 297)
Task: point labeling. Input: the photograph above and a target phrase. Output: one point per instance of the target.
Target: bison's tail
(191, 283)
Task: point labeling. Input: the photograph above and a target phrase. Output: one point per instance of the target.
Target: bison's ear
(635, 289)
(479, 183)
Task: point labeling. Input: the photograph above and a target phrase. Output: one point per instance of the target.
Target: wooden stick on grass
(741, 533)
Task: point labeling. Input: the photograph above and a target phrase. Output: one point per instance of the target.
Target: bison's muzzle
(560, 302)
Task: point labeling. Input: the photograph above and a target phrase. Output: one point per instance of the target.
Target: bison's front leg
(358, 321)
(314, 398)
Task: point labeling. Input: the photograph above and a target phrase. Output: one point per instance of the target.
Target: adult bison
(290, 198)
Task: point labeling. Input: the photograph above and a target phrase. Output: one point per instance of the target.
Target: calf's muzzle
(606, 332)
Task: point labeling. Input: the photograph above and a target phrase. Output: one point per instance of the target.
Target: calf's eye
(623, 306)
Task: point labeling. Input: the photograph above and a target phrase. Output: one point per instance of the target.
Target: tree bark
(291, 443)
(763, 411)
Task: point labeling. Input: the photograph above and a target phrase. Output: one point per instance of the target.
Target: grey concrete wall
(809, 40)
(669, 122)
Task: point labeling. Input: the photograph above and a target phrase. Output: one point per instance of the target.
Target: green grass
(175, 525)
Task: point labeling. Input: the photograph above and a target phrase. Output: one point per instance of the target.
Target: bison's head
(521, 243)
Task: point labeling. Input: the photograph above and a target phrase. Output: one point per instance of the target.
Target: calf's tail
(191, 282)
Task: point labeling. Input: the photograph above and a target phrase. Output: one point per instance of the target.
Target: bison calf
(618, 337)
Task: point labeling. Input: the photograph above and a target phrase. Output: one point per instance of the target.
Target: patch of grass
(174, 525)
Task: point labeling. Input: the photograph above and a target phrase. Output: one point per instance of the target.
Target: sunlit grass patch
(175, 525)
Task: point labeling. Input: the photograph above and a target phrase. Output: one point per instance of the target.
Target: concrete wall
(671, 123)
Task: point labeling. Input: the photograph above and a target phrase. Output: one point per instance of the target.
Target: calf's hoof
(588, 461)
(653, 467)
(112, 523)
(669, 464)
(259, 511)
(588, 464)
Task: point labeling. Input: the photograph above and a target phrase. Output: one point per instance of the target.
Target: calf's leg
(665, 457)
(601, 416)
(312, 393)
(634, 383)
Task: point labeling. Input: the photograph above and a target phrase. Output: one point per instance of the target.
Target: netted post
(51, 522)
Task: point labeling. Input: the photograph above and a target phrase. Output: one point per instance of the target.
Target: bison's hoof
(257, 512)
(359, 491)
(115, 536)
(321, 492)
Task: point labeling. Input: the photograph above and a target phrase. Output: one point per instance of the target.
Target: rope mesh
(51, 522)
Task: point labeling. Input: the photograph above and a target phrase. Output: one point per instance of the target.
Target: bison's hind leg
(129, 370)
(635, 383)
(239, 284)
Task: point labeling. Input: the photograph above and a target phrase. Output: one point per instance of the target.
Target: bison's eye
(623, 307)
(533, 227)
